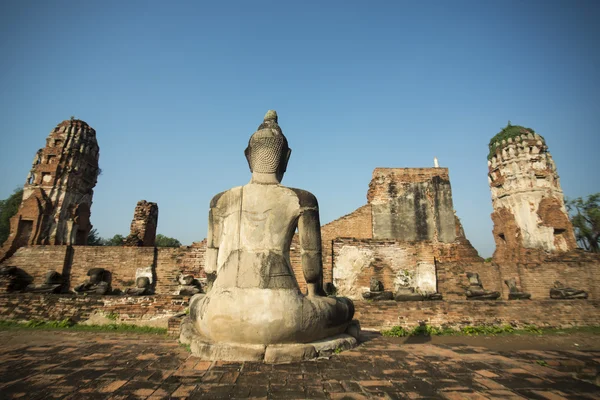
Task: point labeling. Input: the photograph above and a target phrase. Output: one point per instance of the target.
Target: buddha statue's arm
(309, 232)
(212, 242)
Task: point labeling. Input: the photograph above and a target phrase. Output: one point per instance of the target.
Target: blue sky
(175, 89)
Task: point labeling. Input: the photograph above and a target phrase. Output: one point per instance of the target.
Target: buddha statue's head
(268, 151)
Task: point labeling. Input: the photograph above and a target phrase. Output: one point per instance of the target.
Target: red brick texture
(54, 307)
(455, 314)
(122, 262)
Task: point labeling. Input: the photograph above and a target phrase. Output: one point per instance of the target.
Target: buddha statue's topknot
(268, 148)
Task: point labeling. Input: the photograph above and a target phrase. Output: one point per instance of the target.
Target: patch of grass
(186, 347)
(541, 362)
(420, 330)
(337, 350)
(396, 331)
(486, 330)
(69, 325)
(112, 316)
(508, 132)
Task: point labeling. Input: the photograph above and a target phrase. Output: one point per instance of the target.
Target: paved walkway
(78, 365)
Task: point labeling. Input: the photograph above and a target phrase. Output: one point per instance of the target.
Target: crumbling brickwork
(412, 204)
(356, 261)
(57, 196)
(530, 219)
(171, 261)
(409, 217)
(456, 314)
(143, 310)
(143, 226)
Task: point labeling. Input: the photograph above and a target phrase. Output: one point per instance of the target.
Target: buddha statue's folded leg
(325, 316)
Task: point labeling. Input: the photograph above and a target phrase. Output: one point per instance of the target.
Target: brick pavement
(85, 365)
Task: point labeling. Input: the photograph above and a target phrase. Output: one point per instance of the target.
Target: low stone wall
(143, 310)
(164, 311)
(544, 313)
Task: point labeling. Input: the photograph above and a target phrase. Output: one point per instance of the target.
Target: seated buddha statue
(254, 297)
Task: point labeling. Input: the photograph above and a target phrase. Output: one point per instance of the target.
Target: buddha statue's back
(255, 298)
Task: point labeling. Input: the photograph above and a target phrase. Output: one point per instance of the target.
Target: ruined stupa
(57, 195)
(529, 215)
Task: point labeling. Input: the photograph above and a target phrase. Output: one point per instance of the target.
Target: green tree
(94, 239)
(8, 208)
(585, 217)
(116, 240)
(165, 241)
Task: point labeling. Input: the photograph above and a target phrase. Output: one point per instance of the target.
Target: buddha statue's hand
(315, 289)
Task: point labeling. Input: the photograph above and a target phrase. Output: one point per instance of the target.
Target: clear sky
(175, 89)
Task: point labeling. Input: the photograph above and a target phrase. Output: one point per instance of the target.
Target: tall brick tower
(530, 219)
(57, 195)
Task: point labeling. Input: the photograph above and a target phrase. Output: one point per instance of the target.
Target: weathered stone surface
(409, 294)
(560, 291)
(52, 284)
(476, 291)
(96, 284)
(514, 292)
(228, 351)
(284, 353)
(248, 243)
(529, 211)
(57, 196)
(331, 345)
(378, 296)
(375, 285)
(412, 204)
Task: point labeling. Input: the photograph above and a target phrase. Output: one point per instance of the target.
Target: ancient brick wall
(372, 315)
(171, 261)
(120, 262)
(545, 313)
(412, 204)
(356, 224)
(51, 307)
(357, 261)
(534, 278)
(37, 260)
(453, 281)
(537, 279)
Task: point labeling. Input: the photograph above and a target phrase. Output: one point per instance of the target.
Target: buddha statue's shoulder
(305, 198)
(226, 197)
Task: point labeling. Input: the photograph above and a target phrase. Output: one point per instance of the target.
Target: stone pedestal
(272, 353)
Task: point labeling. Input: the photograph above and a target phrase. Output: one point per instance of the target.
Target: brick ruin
(407, 224)
(530, 219)
(57, 196)
(143, 226)
(406, 232)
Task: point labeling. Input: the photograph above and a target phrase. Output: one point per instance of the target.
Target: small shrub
(337, 350)
(541, 362)
(396, 331)
(65, 323)
(112, 316)
(532, 329)
(186, 347)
